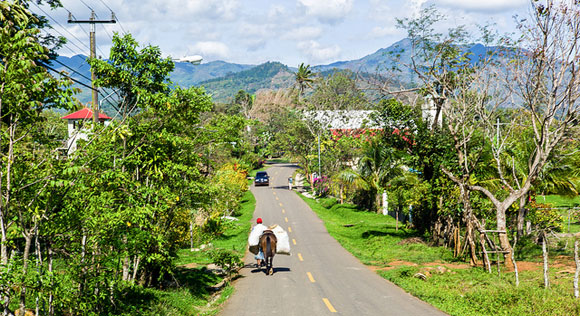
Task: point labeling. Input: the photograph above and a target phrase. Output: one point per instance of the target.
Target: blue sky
(255, 31)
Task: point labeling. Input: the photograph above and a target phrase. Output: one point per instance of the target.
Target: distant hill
(271, 75)
(186, 74)
(223, 80)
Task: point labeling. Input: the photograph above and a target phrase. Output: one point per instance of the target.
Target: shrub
(227, 259)
(322, 186)
(328, 203)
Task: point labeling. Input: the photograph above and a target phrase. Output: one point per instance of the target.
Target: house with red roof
(79, 124)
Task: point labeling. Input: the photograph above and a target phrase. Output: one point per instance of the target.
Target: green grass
(559, 200)
(564, 202)
(462, 290)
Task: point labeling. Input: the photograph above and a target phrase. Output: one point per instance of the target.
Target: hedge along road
(320, 277)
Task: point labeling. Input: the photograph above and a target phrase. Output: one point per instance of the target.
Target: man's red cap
(259, 220)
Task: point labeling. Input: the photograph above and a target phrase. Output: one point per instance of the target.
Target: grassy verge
(571, 223)
(456, 288)
(191, 294)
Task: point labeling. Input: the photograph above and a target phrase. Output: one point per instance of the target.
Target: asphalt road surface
(320, 277)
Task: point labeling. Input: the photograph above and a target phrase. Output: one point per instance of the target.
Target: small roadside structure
(79, 124)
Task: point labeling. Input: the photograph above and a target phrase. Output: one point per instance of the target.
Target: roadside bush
(328, 202)
(227, 260)
(322, 186)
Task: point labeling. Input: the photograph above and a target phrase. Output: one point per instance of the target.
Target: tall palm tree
(304, 78)
(379, 164)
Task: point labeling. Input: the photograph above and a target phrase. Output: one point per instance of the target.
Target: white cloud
(327, 11)
(185, 9)
(277, 12)
(416, 6)
(317, 53)
(211, 50)
(482, 5)
(378, 31)
(303, 33)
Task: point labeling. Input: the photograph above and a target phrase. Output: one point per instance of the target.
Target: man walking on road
(255, 236)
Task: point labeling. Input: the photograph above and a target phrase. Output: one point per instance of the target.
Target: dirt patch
(528, 266)
(412, 240)
(448, 265)
(192, 265)
(392, 265)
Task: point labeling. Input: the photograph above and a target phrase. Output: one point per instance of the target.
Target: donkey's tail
(268, 246)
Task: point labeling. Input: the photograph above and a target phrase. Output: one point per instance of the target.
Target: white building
(79, 126)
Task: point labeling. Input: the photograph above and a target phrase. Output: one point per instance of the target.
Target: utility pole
(92, 21)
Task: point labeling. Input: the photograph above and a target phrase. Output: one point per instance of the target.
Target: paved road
(320, 277)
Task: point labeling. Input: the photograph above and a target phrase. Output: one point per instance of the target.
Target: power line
(62, 74)
(107, 32)
(112, 13)
(74, 71)
(87, 5)
(55, 21)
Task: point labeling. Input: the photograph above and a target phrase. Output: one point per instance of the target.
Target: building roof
(85, 114)
(344, 120)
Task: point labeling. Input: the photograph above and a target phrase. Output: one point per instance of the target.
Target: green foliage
(271, 75)
(304, 78)
(227, 259)
(328, 202)
(338, 91)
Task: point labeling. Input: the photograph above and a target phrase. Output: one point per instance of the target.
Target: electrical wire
(104, 28)
(55, 21)
(112, 13)
(81, 26)
(87, 5)
(74, 71)
(71, 78)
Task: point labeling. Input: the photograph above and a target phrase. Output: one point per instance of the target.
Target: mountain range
(223, 80)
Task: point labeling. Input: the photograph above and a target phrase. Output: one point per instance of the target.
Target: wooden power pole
(92, 21)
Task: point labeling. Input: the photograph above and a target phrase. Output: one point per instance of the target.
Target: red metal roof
(85, 114)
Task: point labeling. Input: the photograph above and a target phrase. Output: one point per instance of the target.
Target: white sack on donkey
(283, 244)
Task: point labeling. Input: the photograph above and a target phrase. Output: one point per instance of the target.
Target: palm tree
(304, 78)
(379, 164)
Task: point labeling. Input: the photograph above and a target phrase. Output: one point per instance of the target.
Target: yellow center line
(330, 307)
(310, 277)
(277, 198)
(283, 211)
(274, 192)
(294, 242)
(289, 229)
(286, 219)
(280, 204)
(300, 257)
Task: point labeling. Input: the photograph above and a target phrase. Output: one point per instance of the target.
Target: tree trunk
(25, 256)
(3, 231)
(50, 270)
(513, 257)
(470, 240)
(503, 238)
(126, 262)
(521, 216)
(545, 257)
(577, 261)
(486, 263)
(136, 262)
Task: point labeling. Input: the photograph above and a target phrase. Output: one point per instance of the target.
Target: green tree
(338, 91)
(26, 89)
(304, 78)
